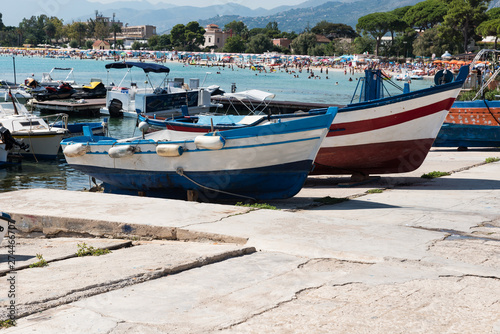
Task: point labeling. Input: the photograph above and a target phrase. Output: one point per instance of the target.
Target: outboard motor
(10, 141)
(115, 108)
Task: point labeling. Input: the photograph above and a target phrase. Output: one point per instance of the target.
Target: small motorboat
(43, 140)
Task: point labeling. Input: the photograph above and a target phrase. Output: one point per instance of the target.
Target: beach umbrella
(446, 55)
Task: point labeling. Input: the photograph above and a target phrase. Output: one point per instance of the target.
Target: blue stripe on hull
(272, 182)
(462, 135)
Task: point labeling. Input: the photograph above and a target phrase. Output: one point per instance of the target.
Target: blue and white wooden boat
(270, 160)
(76, 129)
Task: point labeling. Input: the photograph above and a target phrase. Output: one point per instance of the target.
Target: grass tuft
(40, 263)
(375, 191)
(492, 159)
(7, 323)
(435, 174)
(84, 250)
(257, 206)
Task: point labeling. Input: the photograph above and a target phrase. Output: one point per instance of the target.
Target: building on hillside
(132, 34)
(106, 20)
(282, 42)
(215, 37)
(138, 32)
(100, 45)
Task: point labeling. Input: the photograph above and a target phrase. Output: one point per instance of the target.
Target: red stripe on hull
(347, 128)
(187, 129)
(379, 158)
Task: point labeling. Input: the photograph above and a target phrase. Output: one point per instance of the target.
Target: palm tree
(115, 28)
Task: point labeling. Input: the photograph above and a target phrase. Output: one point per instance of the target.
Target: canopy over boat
(252, 94)
(146, 67)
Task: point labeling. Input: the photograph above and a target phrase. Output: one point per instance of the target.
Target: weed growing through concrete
(435, 174)
(257, 206)
(84, 250)
(331, 200)
(7, 323)
(492, 159)
(374, 191)
(40, 263)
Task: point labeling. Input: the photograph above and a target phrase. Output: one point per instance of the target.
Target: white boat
(43, 140)
(270, 160)
(47, 79)
(166, 99)
(9, 91)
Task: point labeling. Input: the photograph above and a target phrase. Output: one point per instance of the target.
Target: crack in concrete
(62, 258)
(97, 289)
(455, 233)
(471, 275)
(220, 219)
(296, 294)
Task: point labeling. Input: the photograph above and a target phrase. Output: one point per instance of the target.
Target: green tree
(490, 28)
(426, 14)
(335, 30)
(303, 43)
(234, 44)
(33, 29)
(461, 20)
(375, 25)
(238, 28)
(272, 30)
(115, 29)
(259, 44)
(194, 36)
(77, 31)
(177, 35)
(101, 31)
(430, 42)
(2, 26)
(363, 44)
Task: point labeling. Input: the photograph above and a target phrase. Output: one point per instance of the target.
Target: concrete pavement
(422, 256)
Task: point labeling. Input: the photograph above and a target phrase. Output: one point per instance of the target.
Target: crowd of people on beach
(294, 65)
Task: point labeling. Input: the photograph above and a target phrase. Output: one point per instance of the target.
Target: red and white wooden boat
(379, 136)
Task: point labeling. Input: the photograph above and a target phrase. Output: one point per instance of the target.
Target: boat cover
(252, 94)
(146, 67)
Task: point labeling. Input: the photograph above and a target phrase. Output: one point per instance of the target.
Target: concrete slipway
(422, 256)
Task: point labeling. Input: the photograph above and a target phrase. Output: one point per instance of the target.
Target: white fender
(169, 150)
(122, 151)
(76, 150)
(209, 142)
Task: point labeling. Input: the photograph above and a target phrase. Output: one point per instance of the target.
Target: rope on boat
(180, 171)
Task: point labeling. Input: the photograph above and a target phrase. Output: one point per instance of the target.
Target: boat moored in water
(43, 140)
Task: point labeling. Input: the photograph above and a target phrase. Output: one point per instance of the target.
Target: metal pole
(14, 62)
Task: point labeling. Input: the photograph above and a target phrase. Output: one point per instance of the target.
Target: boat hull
(269, 182)
(393, 135)
(466, 135)
(262, 162)
(471, 124)
(478, 112)
(41, 146)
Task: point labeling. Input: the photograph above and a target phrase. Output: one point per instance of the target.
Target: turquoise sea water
(337, 89)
